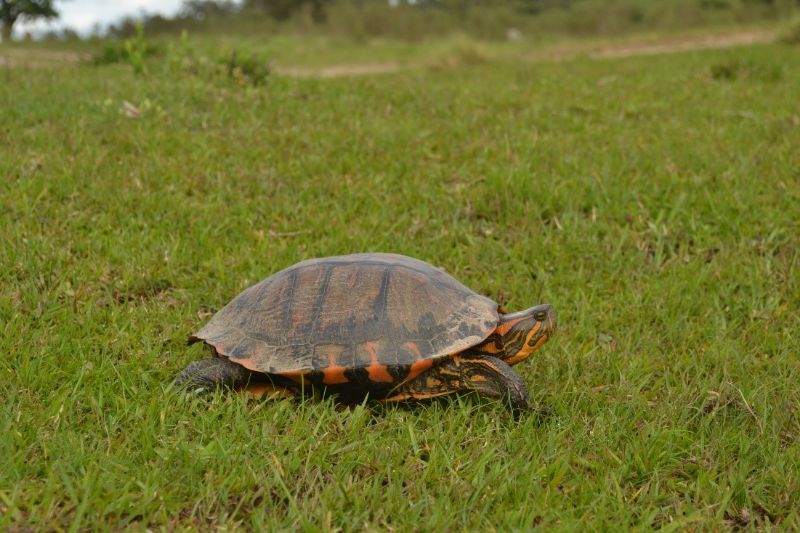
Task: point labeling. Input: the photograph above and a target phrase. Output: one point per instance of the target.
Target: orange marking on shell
(334, 374)
(412, 347)
(418, 367)
(248, 363)
(376, 371)
(351, 282)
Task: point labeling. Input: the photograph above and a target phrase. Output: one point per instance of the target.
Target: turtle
(377, 325)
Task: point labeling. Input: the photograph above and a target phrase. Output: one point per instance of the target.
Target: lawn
(654, 201)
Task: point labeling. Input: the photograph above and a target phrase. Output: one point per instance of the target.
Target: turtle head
(521, 334)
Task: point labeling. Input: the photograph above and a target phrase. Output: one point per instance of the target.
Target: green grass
(654, 201)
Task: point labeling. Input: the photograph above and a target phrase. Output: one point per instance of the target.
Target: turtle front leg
(486, 375)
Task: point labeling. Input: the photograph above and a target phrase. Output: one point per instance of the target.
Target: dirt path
(663, 45)
(338, 71)
(34, 58)
(672, 45)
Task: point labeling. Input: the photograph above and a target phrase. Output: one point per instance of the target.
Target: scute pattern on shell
(349, 311)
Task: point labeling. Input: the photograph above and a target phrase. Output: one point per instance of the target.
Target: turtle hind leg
(486, 375)
(219, 372)
(213, 373)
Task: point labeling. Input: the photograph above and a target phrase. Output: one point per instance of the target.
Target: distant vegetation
(486, 19)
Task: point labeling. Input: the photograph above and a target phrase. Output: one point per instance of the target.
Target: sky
(82, 15)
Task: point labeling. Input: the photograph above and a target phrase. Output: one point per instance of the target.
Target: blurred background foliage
(423, 19)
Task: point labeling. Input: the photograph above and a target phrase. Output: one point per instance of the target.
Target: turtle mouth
(550, 323)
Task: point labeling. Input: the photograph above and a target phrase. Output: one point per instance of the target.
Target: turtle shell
(388, 315)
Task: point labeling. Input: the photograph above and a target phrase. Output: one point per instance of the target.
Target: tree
(205, 9)
(283, 9)
(13, 10)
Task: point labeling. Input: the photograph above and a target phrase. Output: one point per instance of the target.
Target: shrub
(248, 66)
(132, 51)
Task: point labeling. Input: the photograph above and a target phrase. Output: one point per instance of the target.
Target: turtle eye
(540, 316)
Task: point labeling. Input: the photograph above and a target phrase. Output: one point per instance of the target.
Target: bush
(132, 51)
(247, 66)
